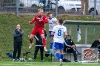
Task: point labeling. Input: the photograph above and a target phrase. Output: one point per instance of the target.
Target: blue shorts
(50, 34)
(58, 46)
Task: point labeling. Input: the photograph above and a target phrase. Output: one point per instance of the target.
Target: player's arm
(53, 31)
(56, 21)
(45, 20)
(32, 21)
(16, 33)
(65, 31)
(73, 45)
(21, 32)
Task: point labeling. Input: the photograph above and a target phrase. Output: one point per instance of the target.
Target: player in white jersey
(52, 22)
(59, 31)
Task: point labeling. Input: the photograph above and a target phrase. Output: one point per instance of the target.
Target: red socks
(31, 41)
(44, 42)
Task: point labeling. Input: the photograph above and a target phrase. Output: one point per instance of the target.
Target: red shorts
(37, 30)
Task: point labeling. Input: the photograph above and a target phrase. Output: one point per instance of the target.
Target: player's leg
(61, 53)
(41, 51)
(56, 46)
(41, 31)
(31, 37)
(51, 41)
(44, 42)
(61, 50)
(35, 52)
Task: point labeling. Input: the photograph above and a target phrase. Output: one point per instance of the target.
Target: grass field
(45, 64)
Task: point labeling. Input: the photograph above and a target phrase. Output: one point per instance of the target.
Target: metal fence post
(56, 8)
(84, 12)
(17, 7)
(86, 35)
(94, 8)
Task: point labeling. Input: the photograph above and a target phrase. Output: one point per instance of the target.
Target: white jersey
(52, 23)
(59, 33)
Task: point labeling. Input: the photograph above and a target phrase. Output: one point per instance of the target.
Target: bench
(69, 56)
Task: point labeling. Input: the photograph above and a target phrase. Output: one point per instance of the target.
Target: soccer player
(39, 45)
(59, 31)
(52, 22)
(40, 19)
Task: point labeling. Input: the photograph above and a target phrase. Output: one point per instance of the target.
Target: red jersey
(39, 21)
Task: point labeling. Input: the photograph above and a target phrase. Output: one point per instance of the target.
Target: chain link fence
(31, 6)
(55, 6)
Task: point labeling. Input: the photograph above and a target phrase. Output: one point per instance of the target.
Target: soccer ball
(41, 5)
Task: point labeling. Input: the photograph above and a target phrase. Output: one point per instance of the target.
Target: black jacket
(39, 39)
(96, 44)
(67, 44)
(18, 35)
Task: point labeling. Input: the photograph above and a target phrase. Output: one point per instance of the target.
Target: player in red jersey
(40, 19)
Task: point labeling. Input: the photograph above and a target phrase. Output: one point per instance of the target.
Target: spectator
(39, 45)
(70, 47)
(96, 44)
(18, 33)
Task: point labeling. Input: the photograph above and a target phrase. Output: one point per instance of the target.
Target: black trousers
(74, 51)
(41, 51)
(17, 49)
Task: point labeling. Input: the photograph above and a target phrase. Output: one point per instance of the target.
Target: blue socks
(51, 43)
(58, 56)
(62, 56)
(50, 51)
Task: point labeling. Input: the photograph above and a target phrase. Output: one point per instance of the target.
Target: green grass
(8, 23)
(45, 64)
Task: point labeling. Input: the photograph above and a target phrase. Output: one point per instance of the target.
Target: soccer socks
(58, 56)
(44, 42)
(62, 56)
(31, 41)
(51, 43)
(50, 51)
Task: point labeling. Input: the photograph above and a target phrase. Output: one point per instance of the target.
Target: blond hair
(40, 9)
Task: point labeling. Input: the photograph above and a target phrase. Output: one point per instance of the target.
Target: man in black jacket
(96, 44)
(70, 47)
(18, 33)
(39, 45)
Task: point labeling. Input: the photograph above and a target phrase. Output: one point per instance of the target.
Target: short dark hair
(49, 13)
(69, 36)
(61, 21)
